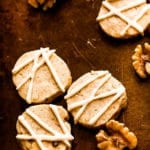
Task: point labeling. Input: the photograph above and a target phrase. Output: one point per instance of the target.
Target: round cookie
(43, 127)
(124, 18)
(95, 98)
(38, 76)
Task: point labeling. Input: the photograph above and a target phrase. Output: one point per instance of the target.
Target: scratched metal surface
(69, 27)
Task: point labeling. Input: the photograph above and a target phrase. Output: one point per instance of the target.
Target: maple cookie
(44, 127)
(40, 76)
(124, 18)
(95, 98)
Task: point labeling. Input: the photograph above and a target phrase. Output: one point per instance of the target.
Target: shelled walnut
(117, 137)
(45, 4)
(141, 60)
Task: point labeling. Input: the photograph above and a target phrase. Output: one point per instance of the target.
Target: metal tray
(70, 27)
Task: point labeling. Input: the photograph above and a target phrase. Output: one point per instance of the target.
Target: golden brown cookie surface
(44, 127)
(95, 98)
(38, 76)
(124, 18)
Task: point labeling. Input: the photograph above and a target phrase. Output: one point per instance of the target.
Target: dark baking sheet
(70, 27)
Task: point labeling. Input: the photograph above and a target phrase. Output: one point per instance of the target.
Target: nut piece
(44, 3)
(147, 67)
(118, 137)
(141, 60)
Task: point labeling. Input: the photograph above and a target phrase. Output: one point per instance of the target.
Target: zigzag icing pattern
(45, 53)
(115, 93)
(65, 137)
(118, 12)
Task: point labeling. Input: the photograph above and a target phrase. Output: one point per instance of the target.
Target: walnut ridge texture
(117, 137)
(141, 60)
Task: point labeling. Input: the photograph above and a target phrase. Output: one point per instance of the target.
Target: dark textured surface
(69, 27)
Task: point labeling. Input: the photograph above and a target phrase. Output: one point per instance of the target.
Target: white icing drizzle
(48, 128)
(93, 120)
(140, 15)
(27, 126)
(56, 136)
(123, 8)
(26, 62)
(76, 90)
(16, 69)
(43, 137)
(118, 12)
(116, 93)
(65, 130)
(29, 93)
(55, 111)
(56, 77)
(91, 98)
(45, 53)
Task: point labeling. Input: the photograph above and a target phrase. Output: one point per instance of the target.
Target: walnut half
(117, 137)
(141, 60)
(45, 4)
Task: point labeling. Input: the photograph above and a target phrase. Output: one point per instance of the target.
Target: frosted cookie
(40, 76)
(44, 127)
(124, 18)
(45, 4)
(95, 98)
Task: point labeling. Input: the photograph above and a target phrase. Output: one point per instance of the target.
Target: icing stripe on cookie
(83, 104)
(118, 12)
(76, 90)
(44, 137)
(45, 53)
(63, 127)
(140, 15)
(51, 68)
(27, 126)
(26, 62)
(123, 8)
(44, 125)
(93, 120)
(56, 136)
(29, 94)
(91, 98)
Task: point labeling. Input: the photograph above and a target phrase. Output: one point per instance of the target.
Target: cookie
(38, 76)
(43, 127)
(95, 98)
(124, 18)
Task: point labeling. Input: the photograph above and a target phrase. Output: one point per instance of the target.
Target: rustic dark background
(70, 27)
